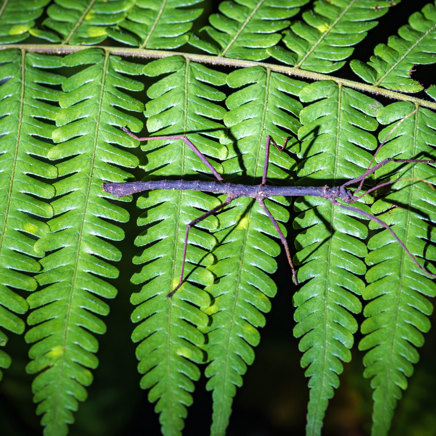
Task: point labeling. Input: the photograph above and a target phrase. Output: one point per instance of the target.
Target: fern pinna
(23, 178)
(64, 312)
(318, 42)
(61, 116)
(244, 255)
(246, 29)
(398, 310)
(337, 128)
(170, 332)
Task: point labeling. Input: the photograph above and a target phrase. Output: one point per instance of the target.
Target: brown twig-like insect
(262, 191)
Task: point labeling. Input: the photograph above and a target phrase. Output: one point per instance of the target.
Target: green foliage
(72, 283)
(398, 311)
(245, 29)
(170, 331)
(17, 18)
(330, 263)
(319, 43)
(392, 64)
(26, 89)
(141, 23)
(157, 24)
(81, 21)
(245, 251)
(61, 138)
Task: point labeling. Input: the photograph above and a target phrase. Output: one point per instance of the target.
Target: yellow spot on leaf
(30, 228)
(96, 31)
(323, 28)
(56, 353)
(211, 309)
(185, 352)
(208, 260)
(249, 328)
(174, 283)
(19, 28)
(243, 223)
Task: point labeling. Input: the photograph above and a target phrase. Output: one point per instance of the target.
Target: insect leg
(269, 139)
(282, 238)
(387, 227)
(187, 142)
(226, 202)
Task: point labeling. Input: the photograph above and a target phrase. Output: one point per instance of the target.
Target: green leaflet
(157, 24)
(431, 91)
(325, 37)
(246, 29)
(17, 19)
(22, 190)
(169, 331)
(399, 307)
(64, 316)
(82, 21)
(262, 105)
(392, 64)
(336, 125)
(152, 24)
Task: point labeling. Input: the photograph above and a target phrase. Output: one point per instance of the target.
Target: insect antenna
(370, 170)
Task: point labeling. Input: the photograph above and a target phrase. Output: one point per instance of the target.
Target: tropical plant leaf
(82, 21)
(431, 92)
(336, 125)
(56, 217)
(392, 64)
(17, 19)
(22, 141)
(169, 331)
(398, 308)
(246, 250)
(65, 310)
(157, 24)
(327, 34)
(245, 29)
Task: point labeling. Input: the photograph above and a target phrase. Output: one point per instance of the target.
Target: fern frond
(25, 88)
(245, 29)
(65, 311)
(17, 19)
(398, 309)
(169, 330)
(326, 37)
(431, 92)
(262, 105)
(336, 139)
(82, 21)
(392, 64)
(157, 24)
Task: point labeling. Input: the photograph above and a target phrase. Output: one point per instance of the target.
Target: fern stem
(229, 62)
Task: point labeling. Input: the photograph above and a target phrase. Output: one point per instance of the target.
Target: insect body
(337, 195)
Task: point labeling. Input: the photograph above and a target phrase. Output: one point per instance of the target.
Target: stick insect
(262, 191)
